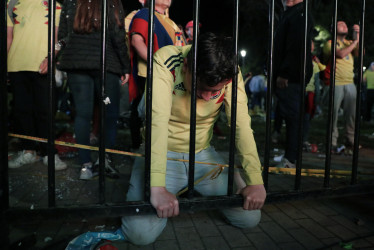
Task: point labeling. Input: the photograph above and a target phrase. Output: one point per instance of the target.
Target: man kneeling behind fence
(171, 99)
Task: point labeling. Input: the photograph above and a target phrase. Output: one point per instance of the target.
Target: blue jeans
(85, 87)
(143, 230)
(289, 110)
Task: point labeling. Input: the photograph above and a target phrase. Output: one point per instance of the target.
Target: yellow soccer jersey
(344, 66)
(171, 117)
(369, 75)
(310, 87)
(30, 34)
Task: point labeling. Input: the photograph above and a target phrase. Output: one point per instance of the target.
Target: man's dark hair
(215, 59)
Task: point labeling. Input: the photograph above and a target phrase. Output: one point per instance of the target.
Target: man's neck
(341, 37)
(160, 9)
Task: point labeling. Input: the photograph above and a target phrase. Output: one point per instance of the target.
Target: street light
(243, 53)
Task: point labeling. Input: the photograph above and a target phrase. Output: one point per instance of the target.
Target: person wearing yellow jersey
(171, 100)
(345, 90)
(27, 46)
(369, 80)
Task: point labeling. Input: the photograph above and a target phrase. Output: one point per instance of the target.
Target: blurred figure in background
(80, 32)
(27, 46)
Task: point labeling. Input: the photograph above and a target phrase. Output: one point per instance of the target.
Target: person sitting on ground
(172, 81)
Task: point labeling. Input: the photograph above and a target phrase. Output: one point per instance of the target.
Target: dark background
(218, 16)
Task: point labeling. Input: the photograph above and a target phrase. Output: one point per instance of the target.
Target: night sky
(214, 17)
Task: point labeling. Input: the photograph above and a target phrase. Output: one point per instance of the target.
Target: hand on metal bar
(254, 197)
(164, 202)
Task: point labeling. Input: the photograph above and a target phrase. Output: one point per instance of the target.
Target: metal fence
(191, 202)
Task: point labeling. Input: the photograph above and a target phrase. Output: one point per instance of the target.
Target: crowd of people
(78, 52)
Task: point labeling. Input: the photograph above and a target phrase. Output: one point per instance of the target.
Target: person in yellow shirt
(369, 80)
(345, 90)
(171, 103)
(27, 46)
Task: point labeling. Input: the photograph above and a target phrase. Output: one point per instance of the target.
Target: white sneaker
(285, 163)
(88, 171)
(59, 165)
(22, 158)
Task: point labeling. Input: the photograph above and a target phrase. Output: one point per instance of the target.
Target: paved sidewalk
(314, 224)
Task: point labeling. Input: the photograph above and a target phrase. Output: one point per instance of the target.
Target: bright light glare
(243, 53)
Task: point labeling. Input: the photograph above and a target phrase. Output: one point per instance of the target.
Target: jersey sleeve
(244, 139)
(163, 83)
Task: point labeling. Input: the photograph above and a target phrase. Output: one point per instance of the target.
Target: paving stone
(277, 233)
(262, 241)
(234, 236)
(265, 217)
(326, 210)
(284, 220)
(291, 211)
(166, 245)
(268, 208)
(215, 243)
(319, 217)
(168, 233)
(256, 229)
(134, 247)
(291, 245)
(217, 217)
(371, 239)
(204, 225)
(351, 225)
(182, 220)
(362, 243)
(341, 232)
(188, 238)
(316, 229)
(306, 239)
(331, 241)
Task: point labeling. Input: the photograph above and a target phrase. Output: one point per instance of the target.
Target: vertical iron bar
(51, 99)
(148, 131)
(104, 21)
(358, 98)
(233, 101)
(191, 165)
(331, 99)
(269, 94)
(302, 98)
(4, 181)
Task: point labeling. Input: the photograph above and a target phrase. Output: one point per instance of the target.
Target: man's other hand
(254, 197)
(164, 202)
(282, 82)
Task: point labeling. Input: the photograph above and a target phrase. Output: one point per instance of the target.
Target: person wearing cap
(369, 80)
(345, 89)
(189, 31)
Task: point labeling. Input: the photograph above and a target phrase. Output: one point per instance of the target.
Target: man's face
(203, 91)
(164, 3)
(189, 32)
(290, 3)
(341, 28)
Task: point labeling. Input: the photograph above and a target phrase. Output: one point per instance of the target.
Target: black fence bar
(185, 205)
(4, 179)
(233, 101)
(148, 131)
(104, 22)
(331, 98)
(51, 101)
(358, 98)
(269, 94)
(191, 164)
(299, 161)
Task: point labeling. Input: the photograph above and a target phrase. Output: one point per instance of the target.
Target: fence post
(331, 98)
(4, 181)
